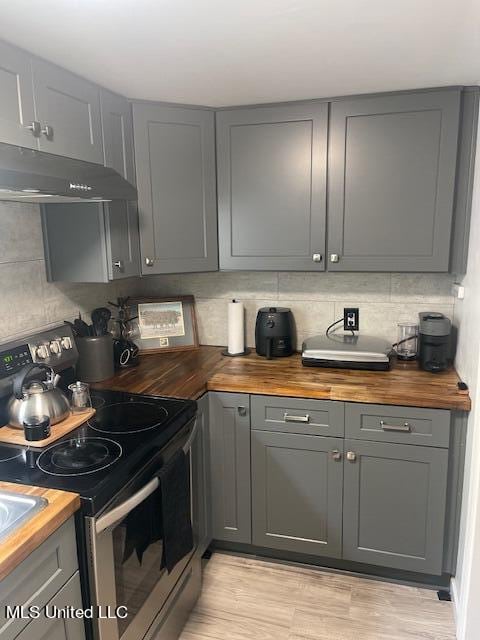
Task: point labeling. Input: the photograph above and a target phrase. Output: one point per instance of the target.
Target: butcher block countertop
(189, 374)
(24, 540)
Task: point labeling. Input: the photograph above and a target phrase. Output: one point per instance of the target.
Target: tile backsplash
(28, 301)
(316, 299)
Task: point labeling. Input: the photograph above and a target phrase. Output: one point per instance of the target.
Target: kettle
(37, 398)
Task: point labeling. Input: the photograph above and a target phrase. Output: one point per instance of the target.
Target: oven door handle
(118, 513)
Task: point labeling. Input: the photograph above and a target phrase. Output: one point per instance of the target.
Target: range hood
(27, 175)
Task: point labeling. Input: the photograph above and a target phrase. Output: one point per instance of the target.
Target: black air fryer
(274, 332)
(434, 352)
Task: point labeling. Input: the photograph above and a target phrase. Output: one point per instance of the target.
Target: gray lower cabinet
(117, 129)
(52, 628)
(298, 415)
(297, 483)
(17, 111)
(37, 580)
(230, 467)
(175, 164)
(392, 164)
(272, 167)
(201, 476)
(91, 242)
(68, 108)
(394, 505)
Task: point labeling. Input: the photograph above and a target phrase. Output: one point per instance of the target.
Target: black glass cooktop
(132, 416)
(97, 459)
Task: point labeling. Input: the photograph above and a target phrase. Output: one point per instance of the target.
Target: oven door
(115, 582)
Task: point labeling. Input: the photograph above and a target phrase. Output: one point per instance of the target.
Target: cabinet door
(297, 483)
(392, 166)
(70, 107)
(117, 129)
(272, 187)
(201, 473)
(175, 163)
(91, 242)
(394, 505)
(16, 106)
(230, 466)
(123, 251)
(44, 628)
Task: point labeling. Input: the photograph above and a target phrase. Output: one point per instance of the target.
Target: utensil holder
(95, 362)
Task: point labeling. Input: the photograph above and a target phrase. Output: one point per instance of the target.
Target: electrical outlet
(351, 318)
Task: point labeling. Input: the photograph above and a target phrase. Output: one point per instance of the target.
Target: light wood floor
(250, 599)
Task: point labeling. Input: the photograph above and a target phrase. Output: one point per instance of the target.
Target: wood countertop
(24, 540)
(189, 374)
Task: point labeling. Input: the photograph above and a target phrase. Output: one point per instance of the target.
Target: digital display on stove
(13, 360)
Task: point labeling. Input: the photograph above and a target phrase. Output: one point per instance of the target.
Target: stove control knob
(66, 343)
(42, 352)
(55, 347)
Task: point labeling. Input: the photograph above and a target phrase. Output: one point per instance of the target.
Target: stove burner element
(79, 456)
(133, 416)
(97, 401)
(9, 453)
(82, 456)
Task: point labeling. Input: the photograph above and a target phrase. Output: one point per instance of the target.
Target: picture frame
(162, 325)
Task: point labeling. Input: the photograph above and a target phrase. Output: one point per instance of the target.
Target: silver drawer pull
(289, 418)
(406, 428)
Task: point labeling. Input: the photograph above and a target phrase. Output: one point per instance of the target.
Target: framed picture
(163, 324)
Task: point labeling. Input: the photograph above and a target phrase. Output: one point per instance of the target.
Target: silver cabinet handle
(406, 427)
(351, 456)
(35, 127)
(242, 411)
(336, 455)
(149, 262)
(47, 131)
(317, 257)
(288, 418)
(334, 257)
(118, 264)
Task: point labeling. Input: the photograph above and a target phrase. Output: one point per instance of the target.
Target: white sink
(16, 509)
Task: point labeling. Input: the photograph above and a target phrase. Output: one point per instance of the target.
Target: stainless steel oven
(141, 587)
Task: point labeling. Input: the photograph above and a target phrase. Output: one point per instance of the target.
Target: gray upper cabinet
(117, 128)
(68, 108)
(91, 242)
(297, 484)
(175, 163)
(17, 111)
(271, 164)
(230, 467)
(394, 505)
(392, 162)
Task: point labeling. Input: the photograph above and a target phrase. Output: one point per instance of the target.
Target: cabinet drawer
(44, 628)
(38, 578)
(405, 425)
(297, 415)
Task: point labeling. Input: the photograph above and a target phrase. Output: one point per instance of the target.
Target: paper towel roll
(236, 328)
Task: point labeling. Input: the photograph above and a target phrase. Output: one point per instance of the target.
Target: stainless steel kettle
(37, 398)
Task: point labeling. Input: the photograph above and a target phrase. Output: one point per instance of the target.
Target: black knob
(270, 324)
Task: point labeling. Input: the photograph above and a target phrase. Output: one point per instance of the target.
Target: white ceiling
(220, 52)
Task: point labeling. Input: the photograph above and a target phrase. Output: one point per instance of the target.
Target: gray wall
(27, 301)
(316, 299)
